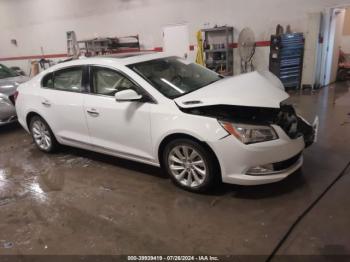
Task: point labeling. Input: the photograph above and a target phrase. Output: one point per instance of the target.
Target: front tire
(42, 135)
(190, 165)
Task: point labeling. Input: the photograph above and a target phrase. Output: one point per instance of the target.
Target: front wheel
(42, 135)
(190, 165)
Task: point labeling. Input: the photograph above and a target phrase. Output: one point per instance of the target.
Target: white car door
(118, 128)
(62, 105)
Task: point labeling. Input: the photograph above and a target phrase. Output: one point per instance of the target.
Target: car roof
(130, 54)
(129, 59)
(123, 59)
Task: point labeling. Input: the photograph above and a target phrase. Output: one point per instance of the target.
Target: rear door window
(69, 79)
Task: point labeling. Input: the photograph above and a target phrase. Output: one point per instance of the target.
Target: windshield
(6, 72)
(175, 77)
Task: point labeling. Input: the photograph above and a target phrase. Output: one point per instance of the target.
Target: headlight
(249, 134)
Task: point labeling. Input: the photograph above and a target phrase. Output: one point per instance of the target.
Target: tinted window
(174, 77)
(6, 72)
(69, 79)
(107, 81)
(48, 81)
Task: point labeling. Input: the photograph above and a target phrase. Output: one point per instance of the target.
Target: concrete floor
(78, 202)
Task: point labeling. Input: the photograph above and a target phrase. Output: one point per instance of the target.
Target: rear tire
(42, 135)
(190, 165)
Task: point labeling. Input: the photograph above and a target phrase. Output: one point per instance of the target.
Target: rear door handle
(93, 112)
(46, 103)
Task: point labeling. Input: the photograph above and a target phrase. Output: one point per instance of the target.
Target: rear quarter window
(67, 79)
(47, 81)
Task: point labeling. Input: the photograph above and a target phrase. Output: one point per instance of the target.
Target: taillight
(15, 95)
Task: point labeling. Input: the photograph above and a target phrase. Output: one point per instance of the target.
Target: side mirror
(127, 95)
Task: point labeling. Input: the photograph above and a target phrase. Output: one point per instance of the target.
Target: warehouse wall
(41, 24)
(345, 41)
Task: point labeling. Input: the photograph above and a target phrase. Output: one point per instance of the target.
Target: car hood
(9, 85)
(256, 89)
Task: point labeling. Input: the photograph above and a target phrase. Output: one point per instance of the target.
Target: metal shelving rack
(218, 49)
(109, 45)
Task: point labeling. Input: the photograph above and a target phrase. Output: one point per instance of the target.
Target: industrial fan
(246, 49)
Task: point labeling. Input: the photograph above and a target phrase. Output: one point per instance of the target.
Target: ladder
(73, 49)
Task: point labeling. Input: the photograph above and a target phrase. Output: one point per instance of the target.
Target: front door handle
(93, 112)
(46, 103)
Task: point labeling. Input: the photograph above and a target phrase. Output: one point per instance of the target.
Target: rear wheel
(190, 165)
(42, 135)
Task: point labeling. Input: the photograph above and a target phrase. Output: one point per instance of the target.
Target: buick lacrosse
(200, 127)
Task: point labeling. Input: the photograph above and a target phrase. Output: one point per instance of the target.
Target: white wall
(345, 44)
(345, 40)
(43, 23)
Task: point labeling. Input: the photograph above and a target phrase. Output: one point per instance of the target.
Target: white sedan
(161, 110)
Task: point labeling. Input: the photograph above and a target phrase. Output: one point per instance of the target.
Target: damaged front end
(296, 126)
(285, 117)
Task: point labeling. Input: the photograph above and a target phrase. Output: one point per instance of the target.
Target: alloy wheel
(187, 166)
(41, 134)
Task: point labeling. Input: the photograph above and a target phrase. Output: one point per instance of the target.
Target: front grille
(286, 163)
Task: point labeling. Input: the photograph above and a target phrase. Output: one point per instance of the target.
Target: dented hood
(256, 89)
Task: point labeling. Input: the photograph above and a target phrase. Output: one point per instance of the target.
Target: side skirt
(107, 151)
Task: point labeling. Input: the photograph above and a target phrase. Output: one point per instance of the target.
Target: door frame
(175, 25)
(329, 30)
